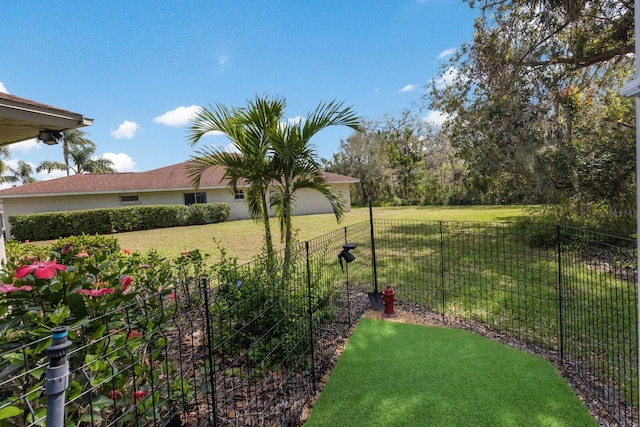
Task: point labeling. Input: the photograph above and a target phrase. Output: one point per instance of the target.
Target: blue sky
(140, 68)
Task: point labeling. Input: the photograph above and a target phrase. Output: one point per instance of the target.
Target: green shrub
(88, 244)
(540, 224)
(54, 225)
(258, 312)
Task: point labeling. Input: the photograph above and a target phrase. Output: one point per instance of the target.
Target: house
(22, 119)
(166, 185)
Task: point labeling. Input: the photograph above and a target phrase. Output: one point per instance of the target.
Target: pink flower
(134, 334)
(125, 282)
(26, 241)
(127, 251)
(42, 270)
(138, 394)
(8, 288)
(82, 255)
(95, 293)
(171, 296)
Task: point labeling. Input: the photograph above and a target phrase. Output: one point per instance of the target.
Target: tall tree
(6, 173)
(364, 155)
(23, 173)
(81, 160)
(72, 141)
(248, 129)
(295, 165)
(537, 73)
(405, 139)
(271, 153)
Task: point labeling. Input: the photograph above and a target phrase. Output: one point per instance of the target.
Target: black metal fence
(250, 345)
(568, 294)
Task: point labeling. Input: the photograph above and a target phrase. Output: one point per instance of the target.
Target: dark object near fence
(347, 256)
(375, 297)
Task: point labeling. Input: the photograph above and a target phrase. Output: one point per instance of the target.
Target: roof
(22, 119)
(168, 178)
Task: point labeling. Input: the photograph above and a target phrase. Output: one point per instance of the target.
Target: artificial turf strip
(394, 374)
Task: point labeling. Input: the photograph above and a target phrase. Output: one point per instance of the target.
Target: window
(129, 199)
(239, 195)
(191, 198)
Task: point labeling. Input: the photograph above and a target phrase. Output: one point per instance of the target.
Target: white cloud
(435, 117)
(295, 120)
(121, 162)
(3, 89)
(178, 117)
(446, 53)
(447, 78)
(44, 176)
(26, 146)
(409, 88)
(230, 148)
(223, 62)
(126, 130)
(214, 133)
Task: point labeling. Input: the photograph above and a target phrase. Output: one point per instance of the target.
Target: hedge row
(53, 225)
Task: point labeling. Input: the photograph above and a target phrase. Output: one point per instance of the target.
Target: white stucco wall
(312, 202)
(307, 202)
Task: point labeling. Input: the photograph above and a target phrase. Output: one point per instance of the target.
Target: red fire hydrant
(389, 297)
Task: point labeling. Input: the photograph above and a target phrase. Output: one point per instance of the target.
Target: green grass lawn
(394, 374)
(244, 238)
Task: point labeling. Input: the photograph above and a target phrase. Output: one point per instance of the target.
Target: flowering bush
(115, 303)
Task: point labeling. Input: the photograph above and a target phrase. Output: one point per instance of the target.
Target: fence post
(373, 249)
(442, 285)
(560, 300)
(204, 289)
(346, 239)
(56, 379)
(310, 306)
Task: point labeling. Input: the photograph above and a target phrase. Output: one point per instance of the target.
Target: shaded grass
(393, 374)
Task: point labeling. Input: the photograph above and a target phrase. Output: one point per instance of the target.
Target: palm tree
(71, 140)
(248, 129)
(23, 173)
(80, 159)
(84, 161)
(6, 173)
(295, 166)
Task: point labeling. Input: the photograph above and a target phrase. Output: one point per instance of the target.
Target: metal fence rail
(249, 346)
(599, 336)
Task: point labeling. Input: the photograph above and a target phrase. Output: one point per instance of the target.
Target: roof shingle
(173, 177)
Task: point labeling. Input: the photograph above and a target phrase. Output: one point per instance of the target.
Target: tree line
(533, 115)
